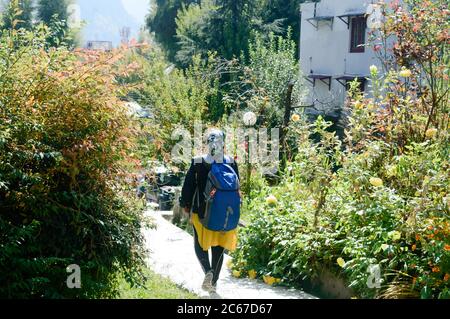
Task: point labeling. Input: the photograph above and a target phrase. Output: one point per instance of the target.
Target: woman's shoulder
(232, 160)
(204, 160)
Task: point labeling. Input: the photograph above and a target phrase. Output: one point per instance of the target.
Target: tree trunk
(284, 128)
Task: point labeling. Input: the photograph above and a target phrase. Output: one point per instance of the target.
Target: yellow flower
(358, 105)
(373, 70)
(271, 200)
(405, 73)
(230, 264)
(376, 182)
(431, 133)
(395, 235)
(391, 170)
(236, 273)
(269, 280)
(341, 262)
(295, 117)
(252, 274)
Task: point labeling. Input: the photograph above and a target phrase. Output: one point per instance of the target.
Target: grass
(156, 287)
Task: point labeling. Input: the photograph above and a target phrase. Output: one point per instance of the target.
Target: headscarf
(216, 146)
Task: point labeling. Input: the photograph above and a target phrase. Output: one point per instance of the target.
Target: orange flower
(414, 247)
(446, 277)
(447, 247)
(417, 237)
(436, 269)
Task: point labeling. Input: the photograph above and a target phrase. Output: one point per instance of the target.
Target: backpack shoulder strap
(200, 162)
(228, 160)
(197, 161)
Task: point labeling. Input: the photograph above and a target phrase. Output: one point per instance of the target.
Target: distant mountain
(105, 18)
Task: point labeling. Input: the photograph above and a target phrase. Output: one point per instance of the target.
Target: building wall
(99, 45)
(327, 51)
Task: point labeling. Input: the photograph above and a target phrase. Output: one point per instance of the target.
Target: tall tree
(18, 14)
(288, 11)
(50, 9)
(192, 31)
(189, 27)
(222, 26)
(162, 22)
(231, 25)
(54, 14)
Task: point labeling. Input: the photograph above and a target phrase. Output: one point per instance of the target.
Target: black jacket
(193, 182)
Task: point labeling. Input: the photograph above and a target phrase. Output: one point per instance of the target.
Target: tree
(266, 77)
(192, 31)
(18, 15)
(286, 10)
(230, 26)
(220, 26)
(185, 28)
(48, 10)
(163, 23)
(53, 13)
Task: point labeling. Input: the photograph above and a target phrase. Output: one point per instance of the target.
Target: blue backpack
(222, 198)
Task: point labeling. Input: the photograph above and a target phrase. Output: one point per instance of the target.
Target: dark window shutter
(358, 34)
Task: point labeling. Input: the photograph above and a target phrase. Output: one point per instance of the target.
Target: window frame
(358, 41)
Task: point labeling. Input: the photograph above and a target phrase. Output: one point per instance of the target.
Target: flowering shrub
(398, 221)
(381, 199)
(65, 141)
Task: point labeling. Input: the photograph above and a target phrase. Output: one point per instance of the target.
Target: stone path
(172, 255)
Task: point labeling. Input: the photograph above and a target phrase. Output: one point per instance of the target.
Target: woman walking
(194, 201)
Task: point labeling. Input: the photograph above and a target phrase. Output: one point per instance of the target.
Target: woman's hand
(187, 213)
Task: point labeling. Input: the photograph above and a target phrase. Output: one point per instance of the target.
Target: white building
(332, 51)
(99, 45)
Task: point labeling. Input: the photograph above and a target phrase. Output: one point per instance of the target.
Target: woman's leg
(203, 256)
(217, 262)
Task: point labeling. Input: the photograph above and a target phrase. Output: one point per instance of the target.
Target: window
(358, 34)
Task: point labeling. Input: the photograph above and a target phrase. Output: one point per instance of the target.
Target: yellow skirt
(208, 238)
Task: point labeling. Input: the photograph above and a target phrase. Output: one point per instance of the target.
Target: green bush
(65, 141)
(260, 81)
(390, 211)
